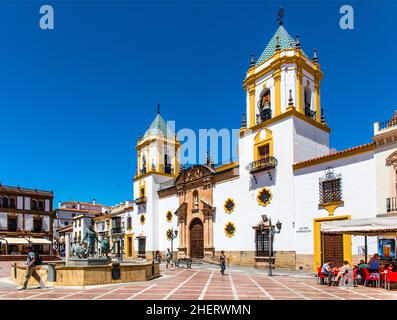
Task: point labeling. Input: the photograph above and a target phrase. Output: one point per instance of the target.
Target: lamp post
(173, 235)
(272, 231)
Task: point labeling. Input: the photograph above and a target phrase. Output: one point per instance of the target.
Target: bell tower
(157, 150)
(281, 80)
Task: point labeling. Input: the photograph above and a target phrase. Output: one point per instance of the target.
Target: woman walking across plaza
(222, 260)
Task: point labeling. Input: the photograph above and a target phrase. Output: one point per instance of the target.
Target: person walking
(222, 260)
(32, 261)
(158, 256)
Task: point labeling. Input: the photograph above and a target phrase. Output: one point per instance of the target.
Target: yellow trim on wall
(333, 157)
(127, 247)
(299, 90)
(317, 99)
(330, 207)
(277, 93)
(139, 177)
(139, 162)
(252, 114)
(259, 143)
(347, 248)
(299, 60)
(288, 113)
(227, 166)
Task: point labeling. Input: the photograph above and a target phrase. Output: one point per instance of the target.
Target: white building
(286, 170)
(67, 211)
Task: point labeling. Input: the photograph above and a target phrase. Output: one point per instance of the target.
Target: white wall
(358, 193)
(168, 203)
(385, 184)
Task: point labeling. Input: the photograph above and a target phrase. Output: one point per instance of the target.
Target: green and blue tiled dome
(285, 42)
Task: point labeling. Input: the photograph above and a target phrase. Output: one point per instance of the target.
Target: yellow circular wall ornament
(229, 205)
(169, 234)
(230, 229)
(142, 219)
(264, 196)
(168, 216)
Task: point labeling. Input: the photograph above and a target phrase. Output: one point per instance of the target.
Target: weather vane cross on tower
(280, 15)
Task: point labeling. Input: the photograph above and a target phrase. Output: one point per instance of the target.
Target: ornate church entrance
(196, 239)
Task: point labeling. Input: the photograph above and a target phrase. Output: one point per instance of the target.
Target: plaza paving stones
(201, 283)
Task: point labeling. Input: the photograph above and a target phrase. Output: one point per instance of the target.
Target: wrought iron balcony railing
(265, 163)
(143, 170)
(116, 230)
(168, 169)
(391, 204)
(140, 200)
(310, 113)
(265, 115)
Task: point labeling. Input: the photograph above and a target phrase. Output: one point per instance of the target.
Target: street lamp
(272, 231)
(173, 235)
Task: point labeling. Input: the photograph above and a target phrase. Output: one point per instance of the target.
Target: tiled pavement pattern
(204, 284)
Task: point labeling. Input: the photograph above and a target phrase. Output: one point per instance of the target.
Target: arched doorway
(196, 239)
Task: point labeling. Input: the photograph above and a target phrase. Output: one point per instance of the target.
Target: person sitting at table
(362, 265)
(374, 263)
(346, 268)
(390, 265)
(327, 270)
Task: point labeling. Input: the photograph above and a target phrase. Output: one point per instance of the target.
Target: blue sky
(73, 99)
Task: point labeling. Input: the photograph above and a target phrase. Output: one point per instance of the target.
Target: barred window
(330, 187)
(141, 246)
(262, 243)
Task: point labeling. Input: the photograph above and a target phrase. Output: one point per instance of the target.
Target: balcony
(310, 113)
(116, 230)
(391, 205)
(264, 115)
(143, 170)
(266, 163)
(168, 169)
(140, 200)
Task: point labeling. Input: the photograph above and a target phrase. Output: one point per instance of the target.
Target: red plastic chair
(355, 270)
(320, 275)
(389, 278)
(367, 277)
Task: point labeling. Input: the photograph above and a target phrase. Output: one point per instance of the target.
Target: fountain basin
(56, 274)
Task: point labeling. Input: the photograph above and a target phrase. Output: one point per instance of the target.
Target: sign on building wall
(303, 230)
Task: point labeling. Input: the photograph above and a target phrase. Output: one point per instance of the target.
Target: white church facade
(286, 170)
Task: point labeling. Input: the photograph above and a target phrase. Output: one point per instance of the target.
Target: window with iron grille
(141, 246)
(330, 187)
(262, 243)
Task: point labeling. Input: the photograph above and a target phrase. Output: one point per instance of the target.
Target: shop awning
(382, 226)
(10, 240)
(39, 241)
(15, 240)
